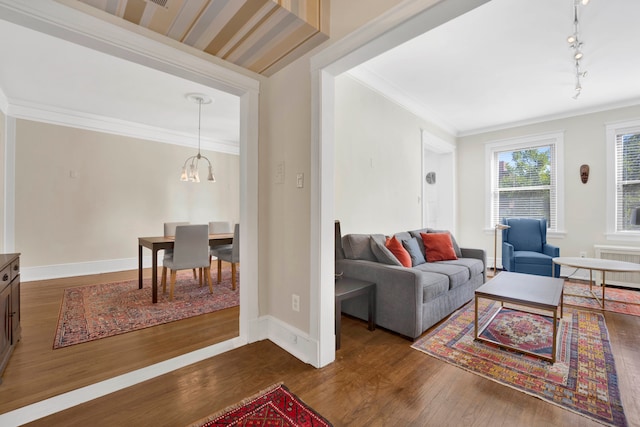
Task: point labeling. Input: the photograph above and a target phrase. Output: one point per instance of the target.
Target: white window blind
(627, 160)
(524, 182)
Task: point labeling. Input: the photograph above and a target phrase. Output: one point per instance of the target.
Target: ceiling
(508, 62)
(505, 63)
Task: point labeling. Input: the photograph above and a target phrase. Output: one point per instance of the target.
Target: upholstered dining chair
(525, 248)
(220, 227)
(231, 255)
(170, 231)
(191, 251)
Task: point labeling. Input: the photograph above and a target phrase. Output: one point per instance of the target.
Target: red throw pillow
(398, 250)
(438, 247)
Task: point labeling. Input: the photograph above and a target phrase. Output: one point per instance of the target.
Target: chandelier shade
(190, 167)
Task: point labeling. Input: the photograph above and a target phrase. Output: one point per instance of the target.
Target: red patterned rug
(276, 406)
(92, 312)
(625, 301)
(583, 379)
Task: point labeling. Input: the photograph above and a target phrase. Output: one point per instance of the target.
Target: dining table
(159, 243)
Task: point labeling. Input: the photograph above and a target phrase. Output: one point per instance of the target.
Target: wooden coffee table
(528, 290)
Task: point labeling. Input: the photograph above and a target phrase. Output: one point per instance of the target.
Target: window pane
(526, 203)
(524, 168)
(631, 157)
(630, 200)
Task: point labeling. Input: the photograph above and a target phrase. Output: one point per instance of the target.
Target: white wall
(378, 161)
(285, 211)
(585, 204)
(84, 196)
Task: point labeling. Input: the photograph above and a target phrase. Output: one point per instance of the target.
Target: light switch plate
(300, 180)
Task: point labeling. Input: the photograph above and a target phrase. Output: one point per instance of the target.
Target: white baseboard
(46, 272)
(289, 338)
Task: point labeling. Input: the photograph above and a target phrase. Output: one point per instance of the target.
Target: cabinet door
(5, 324)
(15, 310)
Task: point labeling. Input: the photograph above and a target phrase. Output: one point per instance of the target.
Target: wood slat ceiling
(260, 35)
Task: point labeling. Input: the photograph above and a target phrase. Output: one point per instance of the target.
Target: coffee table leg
(555, 335)
(604, 285)
(475, 326)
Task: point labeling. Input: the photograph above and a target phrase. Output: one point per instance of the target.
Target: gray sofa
(408, 300)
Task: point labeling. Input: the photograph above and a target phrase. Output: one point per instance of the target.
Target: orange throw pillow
(398, 250)
(438, 247)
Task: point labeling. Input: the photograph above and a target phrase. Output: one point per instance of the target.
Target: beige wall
(285, 135)
(86, 196)
(585, 204)
(378, 166)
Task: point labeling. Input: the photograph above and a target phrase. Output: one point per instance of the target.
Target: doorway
(438, 183)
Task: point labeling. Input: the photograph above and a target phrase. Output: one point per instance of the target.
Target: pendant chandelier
(190, 167)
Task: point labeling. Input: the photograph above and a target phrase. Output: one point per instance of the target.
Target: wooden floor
(376, 380)
(36, 371)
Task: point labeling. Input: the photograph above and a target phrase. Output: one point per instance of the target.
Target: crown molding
(391, 91)
(4, 102)
(93, 122)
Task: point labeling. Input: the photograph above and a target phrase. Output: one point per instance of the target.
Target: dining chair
(170, 231)
(220, 227)
(191, 251)
(231, 255)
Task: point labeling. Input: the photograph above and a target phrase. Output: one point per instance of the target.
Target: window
(624, 175)
(525, 179)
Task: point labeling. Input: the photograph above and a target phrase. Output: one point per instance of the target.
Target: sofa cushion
(438, 247)
(413, 247)
(433, 286)
(357, 246)
(381, 252)
(474, 265)
(395, 247)
(457, 274)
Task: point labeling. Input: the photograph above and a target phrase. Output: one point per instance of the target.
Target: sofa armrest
(552, 251)
(507, 255)
(398, 290)
(480, 254)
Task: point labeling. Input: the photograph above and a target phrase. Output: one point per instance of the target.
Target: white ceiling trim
(93, 122)
(404, 100)
(4, 102)
(559, 116)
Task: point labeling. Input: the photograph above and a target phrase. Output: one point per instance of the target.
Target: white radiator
(620, 253)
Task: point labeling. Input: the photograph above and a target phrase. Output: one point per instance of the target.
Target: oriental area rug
(92, 312)
(276, 406)
(583, 379)
(617, 300)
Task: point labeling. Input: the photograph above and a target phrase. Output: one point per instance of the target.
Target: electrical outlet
(295, 302)
(583, 254)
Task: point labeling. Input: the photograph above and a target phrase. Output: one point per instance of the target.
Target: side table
(348, 288)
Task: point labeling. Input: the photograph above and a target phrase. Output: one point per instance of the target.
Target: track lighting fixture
(575, 44)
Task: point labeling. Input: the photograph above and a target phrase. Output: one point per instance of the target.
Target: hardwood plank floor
(36, 371)
(376, 380)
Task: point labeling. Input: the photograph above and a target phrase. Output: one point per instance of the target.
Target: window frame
(522, 143)
(612, 132)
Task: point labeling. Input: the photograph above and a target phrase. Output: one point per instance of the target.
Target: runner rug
(92, 312)
(625, 301)
(276, 406)
(583, 379)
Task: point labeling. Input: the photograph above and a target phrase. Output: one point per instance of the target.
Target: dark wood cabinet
(9, 306)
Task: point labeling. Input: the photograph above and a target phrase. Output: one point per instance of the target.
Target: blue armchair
(525, 248)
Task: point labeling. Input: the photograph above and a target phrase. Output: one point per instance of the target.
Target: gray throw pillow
(413, 247)
(379, 249)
